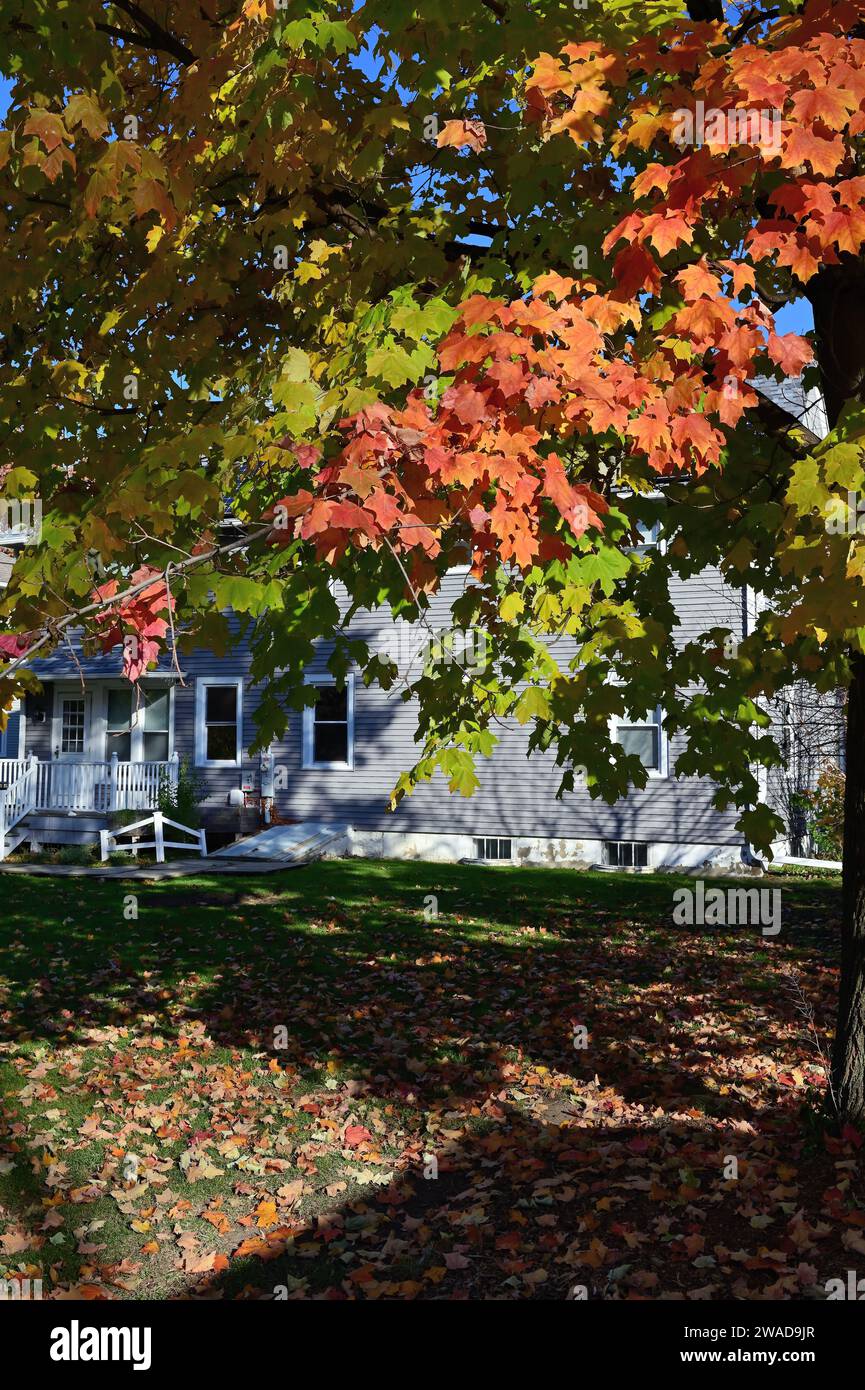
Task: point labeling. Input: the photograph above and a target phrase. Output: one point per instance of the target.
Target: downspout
(749, 857)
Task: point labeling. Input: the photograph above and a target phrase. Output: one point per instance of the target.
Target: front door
(72, 730)
(71, 776)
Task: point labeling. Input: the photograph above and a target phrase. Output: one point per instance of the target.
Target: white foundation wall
(578, 854)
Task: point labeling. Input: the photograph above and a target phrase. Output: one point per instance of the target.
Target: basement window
(626, 854)
(493, 848)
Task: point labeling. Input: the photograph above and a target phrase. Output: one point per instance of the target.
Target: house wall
(516, 796)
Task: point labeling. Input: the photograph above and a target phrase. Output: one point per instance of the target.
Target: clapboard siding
(517, 795)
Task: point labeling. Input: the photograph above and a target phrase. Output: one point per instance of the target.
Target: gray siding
(516, 795)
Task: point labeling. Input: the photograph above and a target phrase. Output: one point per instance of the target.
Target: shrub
(180, 802)
(75, 854)
(825, 811)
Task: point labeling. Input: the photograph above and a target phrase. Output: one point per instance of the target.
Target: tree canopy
(394, 286)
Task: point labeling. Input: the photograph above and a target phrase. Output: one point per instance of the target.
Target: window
(155, 717)
(493, 848)
(138, 729)
(10, 737)
(649, 533)
(118, 731)
(328, 725)
(626, 854)
(218, 723)
(72, 718)
(644, 739)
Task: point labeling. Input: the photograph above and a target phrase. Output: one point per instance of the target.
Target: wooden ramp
(287, 844)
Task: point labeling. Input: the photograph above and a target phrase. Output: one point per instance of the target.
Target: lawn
(306, 1085)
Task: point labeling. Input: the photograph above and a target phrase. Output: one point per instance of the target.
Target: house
(89, 745)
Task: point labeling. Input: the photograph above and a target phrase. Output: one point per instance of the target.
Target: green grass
(404, 1037)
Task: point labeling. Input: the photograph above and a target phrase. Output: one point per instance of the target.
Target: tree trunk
(837, 296)
(848, 1056)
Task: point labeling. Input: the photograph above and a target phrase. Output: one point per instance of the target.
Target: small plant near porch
(180, 796)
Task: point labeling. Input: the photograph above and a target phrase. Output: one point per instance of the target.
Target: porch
(29, 786)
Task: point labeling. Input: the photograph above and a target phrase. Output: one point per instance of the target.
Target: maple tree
(471, 295)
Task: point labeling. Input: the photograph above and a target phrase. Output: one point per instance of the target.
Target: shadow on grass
(436, 1018)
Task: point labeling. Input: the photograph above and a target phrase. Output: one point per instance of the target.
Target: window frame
(644, 547)
(498, 858)
(6, 753)
(632, 845)
(308, 763)
(202, 685)
(618, 722)
(136, 725)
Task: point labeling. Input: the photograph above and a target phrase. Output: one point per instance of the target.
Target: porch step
(14, 838)
(51, 821)
(55, 828)
(290, 844)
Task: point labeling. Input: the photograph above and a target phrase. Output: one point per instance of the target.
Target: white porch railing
(17, 799)
(102, 787)
(31, 785)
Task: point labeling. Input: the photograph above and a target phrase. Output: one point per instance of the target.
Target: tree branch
(153, 35)
(51, 630)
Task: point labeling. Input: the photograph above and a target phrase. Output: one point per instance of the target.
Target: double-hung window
(218, 722)
(328, 725)
(138, 723)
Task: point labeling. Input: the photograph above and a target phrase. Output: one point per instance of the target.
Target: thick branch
(51, 630)
(150, 34)
(700, 10)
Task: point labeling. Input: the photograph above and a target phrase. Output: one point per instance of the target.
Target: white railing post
(175, 769)
(159, 837)
(112, 784)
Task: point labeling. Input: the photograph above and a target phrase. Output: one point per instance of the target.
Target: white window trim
(662, 769)
(307, 762)
(100, 720)
(202, 684)
(17, 708)
(482, 858)
(642, 548)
